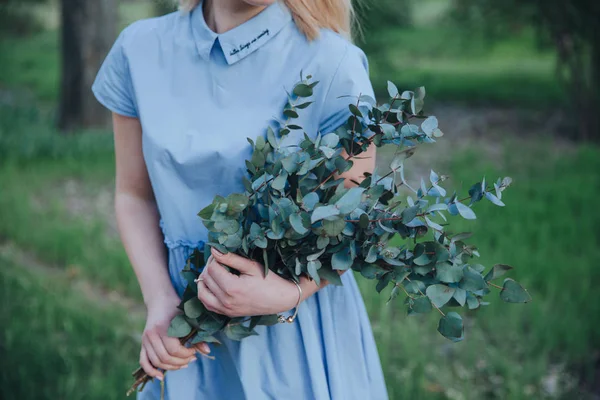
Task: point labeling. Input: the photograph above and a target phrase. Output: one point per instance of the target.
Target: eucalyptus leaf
(440, 294)
(513, 292)
(451, 326)
(497, 271)
(179, 327)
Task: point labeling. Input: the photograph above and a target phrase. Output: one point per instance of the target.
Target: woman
(186, 90)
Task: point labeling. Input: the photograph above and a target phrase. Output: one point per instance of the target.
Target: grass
(56, 344)
(69, 346)
(472, 70)
(548, 231)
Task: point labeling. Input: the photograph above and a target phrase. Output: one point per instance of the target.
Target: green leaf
(465, 211)
(341, 260)
(331, 276)
(297, 223)
(204, 337)
(369, 271)
(258, 159)
(472, 302)
(303, 90)
(472, 281)
(363, 221)
(414, 287)
(279, 182)
(211, 325)
(266, 261)
(313, 271)
(449, 273)
(394, 293)
(421, 305)
(330, 140)
(451, 327)
(290, 163)
(322, 242)
(460, 295)
(350, 201)
(392, 90)
(271, 138)
(497, 271)
(236, 203)
(334, 227)
(304, 105)
(324, 212)
(439, 294)
(408, 214)
(179, 327)
(266, 320)
(238, 332)
(355, 111)
(401, 156)
(429, 126)
(193, 308)
(290, 113)
(260, 143)
(513, 292)
(310, 201)
(383, 282)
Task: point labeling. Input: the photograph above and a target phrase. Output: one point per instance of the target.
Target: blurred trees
(571, 27)
(375, 15)
(88, 31)
(162, 7)
(16, 16)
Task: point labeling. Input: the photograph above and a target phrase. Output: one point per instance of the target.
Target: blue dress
(199, 95)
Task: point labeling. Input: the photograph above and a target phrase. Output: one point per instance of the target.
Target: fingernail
(184, 366)
(160, 378)
(206, 348)
(193, 359)
(217, 252)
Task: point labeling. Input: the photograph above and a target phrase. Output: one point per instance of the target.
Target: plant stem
(436, 307)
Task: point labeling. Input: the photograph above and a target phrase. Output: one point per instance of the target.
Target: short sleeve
(350, 79)
(113, 86)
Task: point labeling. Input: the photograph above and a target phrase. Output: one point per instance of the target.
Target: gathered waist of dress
(173, 243)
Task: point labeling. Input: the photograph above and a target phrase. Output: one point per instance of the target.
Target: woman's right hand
(158, 349)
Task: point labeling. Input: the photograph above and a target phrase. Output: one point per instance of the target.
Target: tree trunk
(89, 29)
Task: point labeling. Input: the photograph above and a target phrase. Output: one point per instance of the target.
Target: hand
(158, 349)
(249, 294)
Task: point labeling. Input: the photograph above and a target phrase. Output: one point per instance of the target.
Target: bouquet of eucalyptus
(297, 218)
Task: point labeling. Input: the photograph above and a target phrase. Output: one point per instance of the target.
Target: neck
(224, 15)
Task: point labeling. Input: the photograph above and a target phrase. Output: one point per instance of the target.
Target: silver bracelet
(289, 320)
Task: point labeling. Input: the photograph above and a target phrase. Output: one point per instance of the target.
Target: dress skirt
(327, 353)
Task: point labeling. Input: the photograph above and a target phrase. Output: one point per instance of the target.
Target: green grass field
(70, 318)
(548, 231)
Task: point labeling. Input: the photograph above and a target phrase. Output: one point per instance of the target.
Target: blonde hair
(311, 16)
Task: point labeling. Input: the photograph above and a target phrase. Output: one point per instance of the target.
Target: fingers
(155, 360)
(176, 349)
(147, 367)
(158, 354)
(224, 279)
(202, 347)
(234, 261)
(209, 300)
(215, 288)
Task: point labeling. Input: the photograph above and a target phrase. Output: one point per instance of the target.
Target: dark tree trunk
(593, 120)
(88, 31)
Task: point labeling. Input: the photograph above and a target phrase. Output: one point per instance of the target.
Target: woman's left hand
(249, 294)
